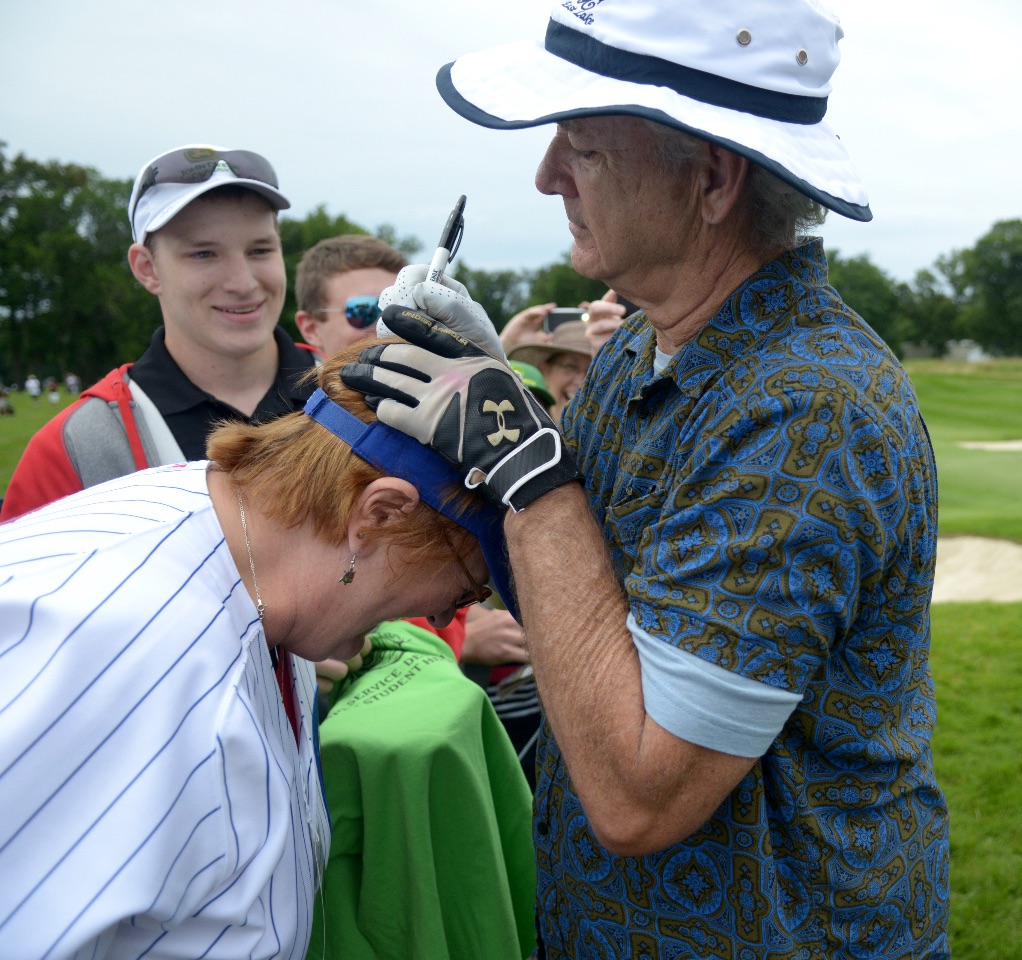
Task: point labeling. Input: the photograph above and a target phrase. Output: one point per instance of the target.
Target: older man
(733, 650)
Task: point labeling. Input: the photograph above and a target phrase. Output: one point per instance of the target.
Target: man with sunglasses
(204, 222)
(338, 286)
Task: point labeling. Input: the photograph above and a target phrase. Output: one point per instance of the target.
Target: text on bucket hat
(400, 455)
(169, 182)
(750, 75)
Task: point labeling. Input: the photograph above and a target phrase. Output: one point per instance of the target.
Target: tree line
(68, 302)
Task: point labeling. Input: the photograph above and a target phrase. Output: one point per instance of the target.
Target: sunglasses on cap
(360, 312)
(198, 164)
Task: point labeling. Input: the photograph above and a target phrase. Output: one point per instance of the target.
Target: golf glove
(473, 410)
(447, 301)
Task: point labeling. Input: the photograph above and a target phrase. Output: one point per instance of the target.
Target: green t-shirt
(431, 855)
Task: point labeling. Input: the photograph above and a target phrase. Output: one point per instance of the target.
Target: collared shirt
(191, 412)
(769, 503)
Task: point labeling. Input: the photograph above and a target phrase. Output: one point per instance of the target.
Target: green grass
(980, 490)
(16, 431)
(976, 658)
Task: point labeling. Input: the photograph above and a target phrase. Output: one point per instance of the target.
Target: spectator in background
(562, 357)
(337, 287)
(204, 222)
(33, 387)
(605, 316)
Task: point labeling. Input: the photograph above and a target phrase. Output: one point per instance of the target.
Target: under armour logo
(502, 432)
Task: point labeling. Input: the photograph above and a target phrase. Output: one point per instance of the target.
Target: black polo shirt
(191, 413)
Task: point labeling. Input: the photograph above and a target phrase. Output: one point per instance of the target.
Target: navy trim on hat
(402, 456)
(594, 55)
(465, 108)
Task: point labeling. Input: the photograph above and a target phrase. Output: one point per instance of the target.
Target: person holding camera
(561, 340)
(535, 324)
(562, 357)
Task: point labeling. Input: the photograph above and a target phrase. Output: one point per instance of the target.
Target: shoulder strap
(107, 435)
(165, 448)
(97, 444)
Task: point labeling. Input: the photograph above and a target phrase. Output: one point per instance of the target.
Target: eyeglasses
(198, 164)
(577, 368)
(360, 312)
(479, 593)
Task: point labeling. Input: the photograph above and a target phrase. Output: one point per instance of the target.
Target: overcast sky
(340, 96)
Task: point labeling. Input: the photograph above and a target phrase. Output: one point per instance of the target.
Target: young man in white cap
(204, 221)
(729, 622)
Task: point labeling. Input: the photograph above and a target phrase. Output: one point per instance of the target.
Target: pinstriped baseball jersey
(154, 802)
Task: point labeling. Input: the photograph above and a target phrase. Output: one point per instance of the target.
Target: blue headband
(402, 456)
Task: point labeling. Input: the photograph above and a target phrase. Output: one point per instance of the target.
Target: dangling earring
(349, 574)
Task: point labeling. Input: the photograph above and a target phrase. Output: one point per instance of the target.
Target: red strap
(128, 419)
(284, 677)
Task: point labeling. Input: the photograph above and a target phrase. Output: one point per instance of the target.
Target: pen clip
(459, 231)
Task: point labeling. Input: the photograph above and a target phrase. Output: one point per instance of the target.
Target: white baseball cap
(750, 75)
(169, 182)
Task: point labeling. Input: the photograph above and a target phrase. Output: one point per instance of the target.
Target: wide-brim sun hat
(753, 77)
(173, 179)
(567, 338)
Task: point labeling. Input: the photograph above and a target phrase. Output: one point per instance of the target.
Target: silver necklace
(260, 606)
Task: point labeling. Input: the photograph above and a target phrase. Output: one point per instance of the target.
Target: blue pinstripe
(96, 750)
(165, 830)
(180, 852)
(120, 869)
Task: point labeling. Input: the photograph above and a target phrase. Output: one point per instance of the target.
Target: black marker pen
(450, 239)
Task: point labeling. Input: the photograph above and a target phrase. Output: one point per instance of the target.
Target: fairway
(976, 658)
(980, 490)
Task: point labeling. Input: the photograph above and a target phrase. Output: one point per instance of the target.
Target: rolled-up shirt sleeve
(708, 705)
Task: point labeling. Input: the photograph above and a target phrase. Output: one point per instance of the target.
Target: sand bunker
(1006, 445)
(978, 568)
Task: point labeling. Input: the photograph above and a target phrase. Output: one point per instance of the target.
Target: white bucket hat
(172, 180)
(750, 75)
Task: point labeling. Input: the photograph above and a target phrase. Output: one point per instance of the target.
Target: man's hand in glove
(473, 410)
(447, 301)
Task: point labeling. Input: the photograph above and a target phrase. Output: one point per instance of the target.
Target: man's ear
(725, 176)
(385, 503)
(308, 326)
(143, 266)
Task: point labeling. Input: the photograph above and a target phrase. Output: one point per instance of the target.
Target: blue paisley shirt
(769, 502)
